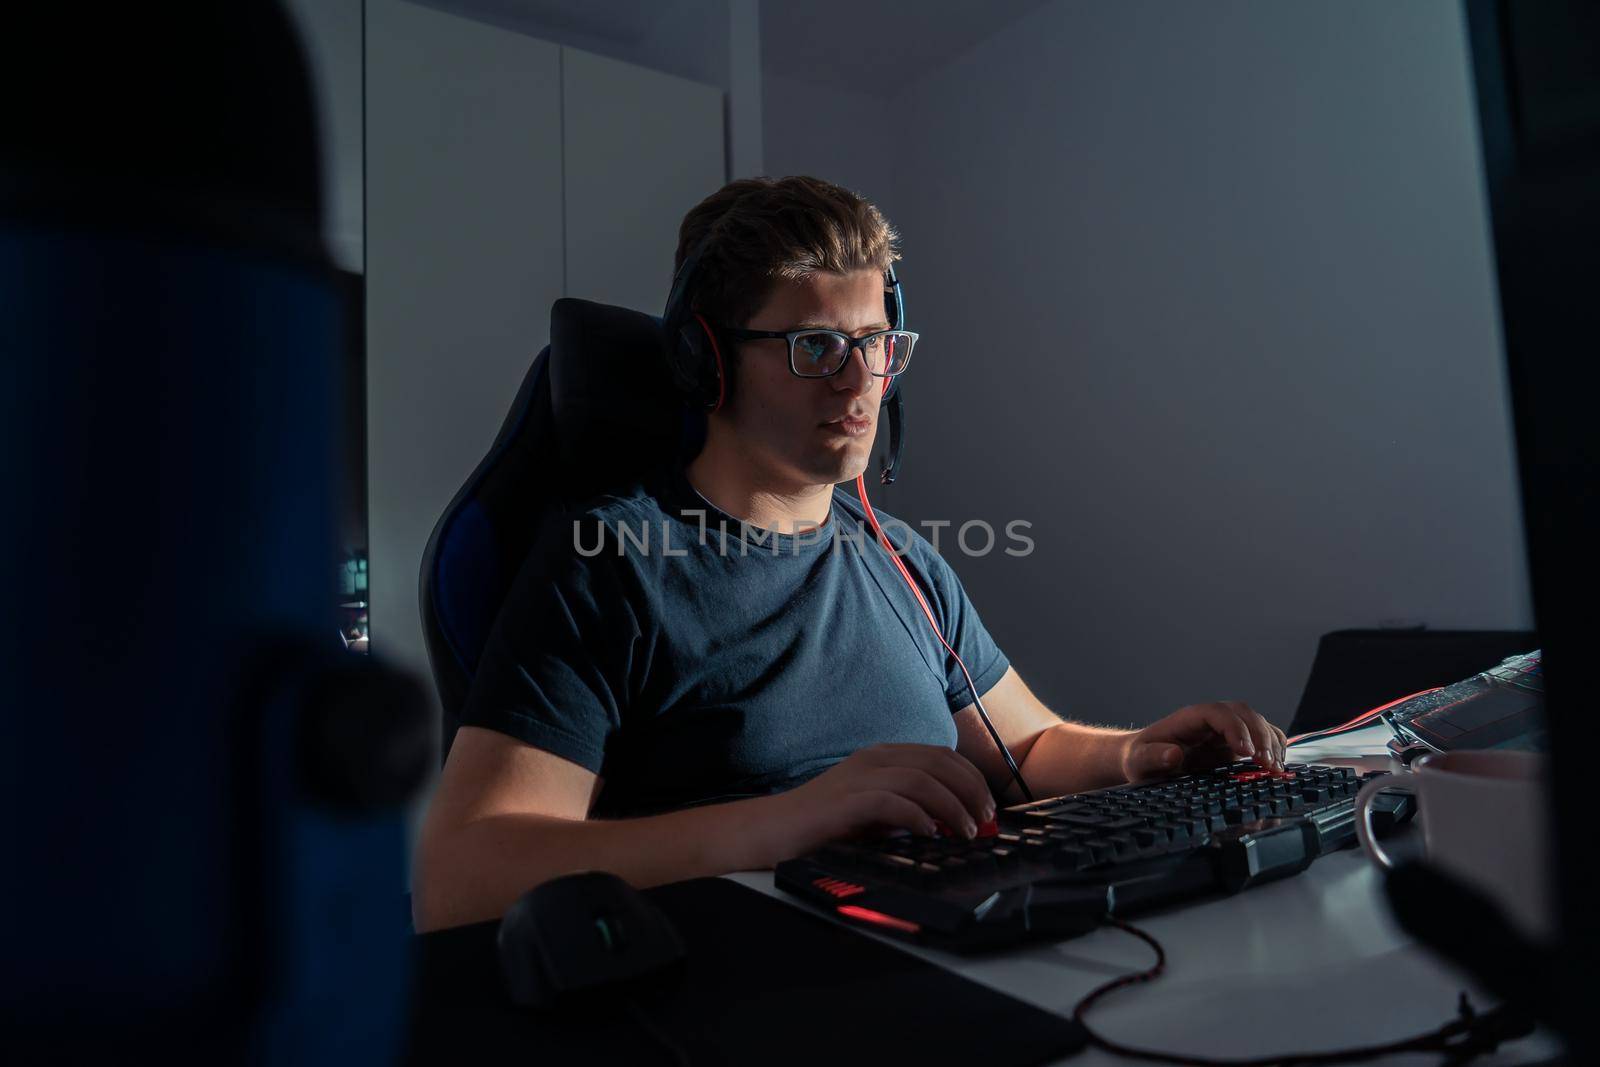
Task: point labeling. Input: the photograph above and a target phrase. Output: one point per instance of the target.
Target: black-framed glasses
(823, 353)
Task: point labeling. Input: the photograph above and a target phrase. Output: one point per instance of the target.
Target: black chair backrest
(1357, 670)
(596, 410)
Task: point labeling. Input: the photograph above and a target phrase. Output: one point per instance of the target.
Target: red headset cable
(977, 701)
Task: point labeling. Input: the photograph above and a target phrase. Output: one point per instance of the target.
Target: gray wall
(1206, 296)
(830, 131)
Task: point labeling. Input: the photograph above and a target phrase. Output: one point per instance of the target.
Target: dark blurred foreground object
(204, 848)
(1472, 932)
(1536, 69)
(1360, 669)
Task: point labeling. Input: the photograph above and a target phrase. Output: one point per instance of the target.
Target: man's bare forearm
(1071, 757)
(472, 870)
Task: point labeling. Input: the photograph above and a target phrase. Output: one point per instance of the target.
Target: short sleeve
(963, 628)
(557, 670)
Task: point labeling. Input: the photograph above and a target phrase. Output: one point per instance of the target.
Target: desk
(1308, 963)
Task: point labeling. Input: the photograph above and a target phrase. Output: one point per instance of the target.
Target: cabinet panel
(464, 258)
(640, 148)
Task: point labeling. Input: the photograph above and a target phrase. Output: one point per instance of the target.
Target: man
(716, 670)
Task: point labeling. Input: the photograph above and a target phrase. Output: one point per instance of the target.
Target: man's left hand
(1201, 736)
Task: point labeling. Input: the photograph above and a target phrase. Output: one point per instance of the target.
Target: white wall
(625, 127)
(330, 32)
(685, 38)
(713, 42)
(1206, 295)
(464, 258)
(503, 172)
(477, 180)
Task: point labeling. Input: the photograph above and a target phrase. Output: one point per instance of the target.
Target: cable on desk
(1366, 718)
(1469, 1036)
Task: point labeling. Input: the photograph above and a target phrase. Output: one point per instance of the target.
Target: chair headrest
(616, 409)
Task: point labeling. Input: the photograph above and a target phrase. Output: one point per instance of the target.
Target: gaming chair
(594, 411)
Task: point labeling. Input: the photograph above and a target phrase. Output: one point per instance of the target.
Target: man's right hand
(881, 788)
(507, 816)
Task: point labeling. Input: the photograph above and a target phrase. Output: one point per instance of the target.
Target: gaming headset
(694, 356)
(694, 351)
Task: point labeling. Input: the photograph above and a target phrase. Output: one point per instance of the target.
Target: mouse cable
(1469, 1036)
(656, 1034)
(977, 701)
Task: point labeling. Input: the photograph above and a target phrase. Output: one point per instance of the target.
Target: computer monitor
(1536, 67)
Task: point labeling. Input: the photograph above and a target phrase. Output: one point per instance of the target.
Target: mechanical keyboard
(1055, 868)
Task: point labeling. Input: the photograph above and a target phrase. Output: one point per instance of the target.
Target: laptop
(1502, 707)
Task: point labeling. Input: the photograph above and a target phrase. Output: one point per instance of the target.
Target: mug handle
(1363, 813)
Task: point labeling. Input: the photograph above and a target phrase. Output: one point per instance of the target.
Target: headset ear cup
(687, 362)
(711, 373)
(894, 305)
(894, 314)
(697, 370)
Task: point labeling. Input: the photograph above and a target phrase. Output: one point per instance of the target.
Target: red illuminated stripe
(879, 918)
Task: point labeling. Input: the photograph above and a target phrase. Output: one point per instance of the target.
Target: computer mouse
(568, 940)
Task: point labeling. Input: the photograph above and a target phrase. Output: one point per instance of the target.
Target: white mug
(1485, 820)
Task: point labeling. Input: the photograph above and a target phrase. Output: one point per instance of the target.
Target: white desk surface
(1309, 963)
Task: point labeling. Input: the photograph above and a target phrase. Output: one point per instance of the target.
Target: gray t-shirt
(686, 658)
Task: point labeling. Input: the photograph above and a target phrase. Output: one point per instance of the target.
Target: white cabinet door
(464, 258)
(641, 148)
(330, 33)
